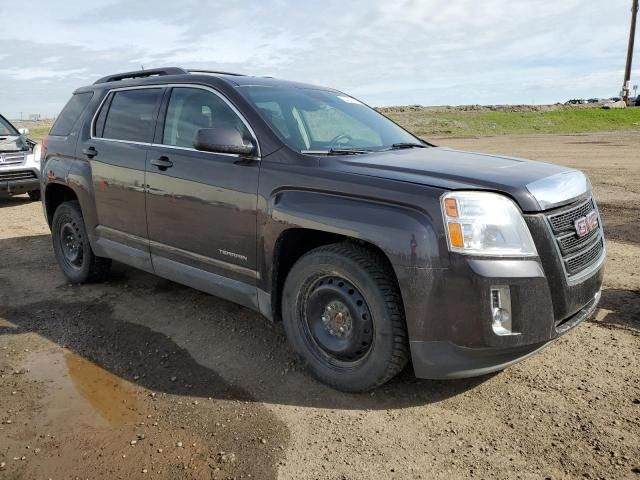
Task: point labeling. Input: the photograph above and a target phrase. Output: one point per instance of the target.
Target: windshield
(6, 128)
(320, 121)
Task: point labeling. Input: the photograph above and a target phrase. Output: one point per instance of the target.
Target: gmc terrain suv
(19, 170)
(303, 204)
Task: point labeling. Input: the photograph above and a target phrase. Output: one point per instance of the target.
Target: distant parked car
(576, 101)
(593, 100)
(19, 169)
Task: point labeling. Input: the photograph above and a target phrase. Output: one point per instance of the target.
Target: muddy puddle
(79, 391)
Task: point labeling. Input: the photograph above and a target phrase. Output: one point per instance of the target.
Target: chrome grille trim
(12, 158)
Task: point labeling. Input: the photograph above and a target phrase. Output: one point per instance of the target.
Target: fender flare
(76, 176)
(407, 236)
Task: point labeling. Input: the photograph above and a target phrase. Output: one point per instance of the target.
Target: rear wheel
(343, 315)
(35, 195)
(71, 246)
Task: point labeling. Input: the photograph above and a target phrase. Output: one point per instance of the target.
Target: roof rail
(218, 72)
(142, 74)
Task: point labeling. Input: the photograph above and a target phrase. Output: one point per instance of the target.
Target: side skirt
(217, 285)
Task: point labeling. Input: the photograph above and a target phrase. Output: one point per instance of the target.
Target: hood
(14, 143)
(456, 170)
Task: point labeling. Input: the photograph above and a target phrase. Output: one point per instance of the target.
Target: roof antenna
(142, 67)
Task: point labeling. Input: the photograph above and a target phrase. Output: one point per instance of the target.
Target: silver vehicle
(19, 167)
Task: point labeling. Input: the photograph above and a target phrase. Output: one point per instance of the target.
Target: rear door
(201, 206)
(121, 134)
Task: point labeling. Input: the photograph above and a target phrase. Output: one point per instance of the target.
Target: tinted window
(102, 116)
(132, 114)
(191, 109)
(70, 114)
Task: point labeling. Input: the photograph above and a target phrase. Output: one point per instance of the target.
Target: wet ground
(143, 378)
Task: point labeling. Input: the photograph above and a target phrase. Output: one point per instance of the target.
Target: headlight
(37, 152)
(484, 223)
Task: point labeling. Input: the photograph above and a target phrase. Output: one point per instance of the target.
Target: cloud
(33, 73)
(385, 52)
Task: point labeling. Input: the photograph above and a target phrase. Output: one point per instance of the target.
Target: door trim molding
(214, 262)
(135, 241)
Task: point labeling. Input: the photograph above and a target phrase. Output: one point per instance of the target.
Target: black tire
(71, 246)
(367, 343)
(34, 195)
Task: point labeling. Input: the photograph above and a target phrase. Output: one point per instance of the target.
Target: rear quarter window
(70, 114)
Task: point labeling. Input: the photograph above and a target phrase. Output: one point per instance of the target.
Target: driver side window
(191, 109)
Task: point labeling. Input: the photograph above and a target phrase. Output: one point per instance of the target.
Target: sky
(384, 52)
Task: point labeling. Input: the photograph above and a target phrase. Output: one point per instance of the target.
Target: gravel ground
(143, 378)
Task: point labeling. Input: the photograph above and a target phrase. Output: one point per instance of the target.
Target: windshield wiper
(337, 151)
(347, 151)
(400, 146)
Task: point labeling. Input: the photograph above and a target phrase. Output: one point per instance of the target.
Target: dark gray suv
(373, 246)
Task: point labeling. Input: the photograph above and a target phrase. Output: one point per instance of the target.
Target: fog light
(501, 310)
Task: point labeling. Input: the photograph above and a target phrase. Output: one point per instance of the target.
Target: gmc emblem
(587, 224)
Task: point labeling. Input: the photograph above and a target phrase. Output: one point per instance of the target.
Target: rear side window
(70, 114)
(131, 115)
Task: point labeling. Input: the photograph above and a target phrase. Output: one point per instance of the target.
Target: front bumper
(446, 360)
(8, 189)
(449, 317)
(19, 179)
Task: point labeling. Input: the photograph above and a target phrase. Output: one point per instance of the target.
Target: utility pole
(632, 35)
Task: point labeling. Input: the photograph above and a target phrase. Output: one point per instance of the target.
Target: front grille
(17, 175)
(578, 253)
(563, 221)
(571, 243)
(12, 158)
(577, 263)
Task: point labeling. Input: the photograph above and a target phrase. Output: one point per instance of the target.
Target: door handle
(90, 151)
(162, 163)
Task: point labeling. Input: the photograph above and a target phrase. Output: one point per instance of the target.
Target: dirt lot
(142, 378)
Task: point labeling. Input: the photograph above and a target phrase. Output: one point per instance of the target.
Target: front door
(201, 206)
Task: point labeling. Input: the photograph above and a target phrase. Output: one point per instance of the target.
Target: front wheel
(71, 246)
(343, 314)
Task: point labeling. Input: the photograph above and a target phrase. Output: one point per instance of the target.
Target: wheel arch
(70, 180)
(300, 221)
(55, 195)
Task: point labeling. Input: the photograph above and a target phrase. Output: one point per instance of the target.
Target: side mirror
(23, 131)
(223, 140)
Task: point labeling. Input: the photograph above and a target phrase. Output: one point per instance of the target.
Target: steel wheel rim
(337, 321)
(71, 244)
